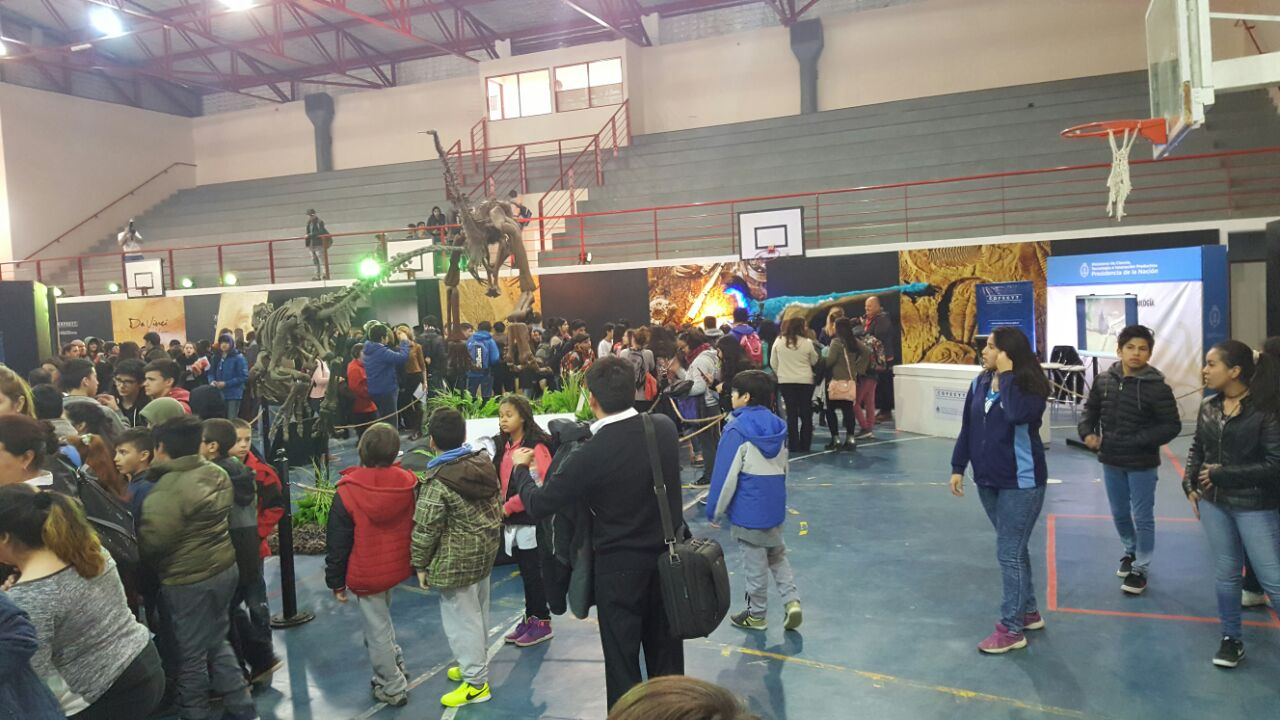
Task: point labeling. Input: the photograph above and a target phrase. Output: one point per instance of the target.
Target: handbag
(844, 389)
(692, 576)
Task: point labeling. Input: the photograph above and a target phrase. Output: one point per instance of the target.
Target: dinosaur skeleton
(296, 336)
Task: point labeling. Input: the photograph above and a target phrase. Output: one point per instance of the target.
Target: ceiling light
(187, 282)
(106, 21)
(230, 279)
(238, 4)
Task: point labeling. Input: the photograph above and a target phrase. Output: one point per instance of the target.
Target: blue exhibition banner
(1171, 265)
(1011, 304)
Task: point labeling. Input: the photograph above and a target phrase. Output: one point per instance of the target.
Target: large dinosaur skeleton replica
(298, 335)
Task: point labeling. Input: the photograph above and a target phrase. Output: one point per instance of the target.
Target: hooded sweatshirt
(369, 526)
(749, 481)
(483, 352)
(458, 521)
(1134, 415)
(161, 409)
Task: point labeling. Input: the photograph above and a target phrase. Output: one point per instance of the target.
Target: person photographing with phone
(1000, 438)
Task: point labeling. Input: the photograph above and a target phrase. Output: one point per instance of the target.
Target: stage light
(238, 4)
(738, 290)
(230, 279)
(57, 292)
(106, 21)
(113, 287)
(186, 282)
(369, 268)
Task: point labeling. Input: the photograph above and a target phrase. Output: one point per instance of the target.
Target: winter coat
(270, 500)
(23, 696)
(1134, 416)
(207, 402)
(185, 533)
(482, 351)
(382, 367)
(457, 525)
(1247, 449)
(1003, 442)
(358, 382)
(749, 481)
(369, 526)
(881, 328)
(233, 370)
(183, 396)
(510, 498)
(564, 539)
(242, 521)
(794, 365)
(858, 363)
(704, 371)
(316, 232)
(436, 352)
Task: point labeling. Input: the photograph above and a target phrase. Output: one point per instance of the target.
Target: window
(520, 95)
(592, 84)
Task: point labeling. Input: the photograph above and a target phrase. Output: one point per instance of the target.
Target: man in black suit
(611, 474)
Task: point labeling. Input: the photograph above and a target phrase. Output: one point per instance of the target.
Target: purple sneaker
(1032, 621)
(1002, 641)
(539, 631)
(516, 634)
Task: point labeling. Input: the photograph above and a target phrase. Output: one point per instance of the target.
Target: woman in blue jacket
(1000, 438)
(230, 373)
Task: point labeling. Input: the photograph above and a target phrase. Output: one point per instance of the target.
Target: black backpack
(109, 516)
(692, 575)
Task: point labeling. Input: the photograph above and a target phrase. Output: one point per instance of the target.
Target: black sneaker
(1134, 584)
(1126, 566)
(1230, 653)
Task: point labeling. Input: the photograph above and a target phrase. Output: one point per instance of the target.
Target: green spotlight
(369, 268)
(113, 287)
(187, 282)
(230, 279)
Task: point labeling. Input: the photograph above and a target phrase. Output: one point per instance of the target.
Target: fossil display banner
(939, 324)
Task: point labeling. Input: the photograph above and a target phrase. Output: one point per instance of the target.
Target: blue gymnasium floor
(899, 583)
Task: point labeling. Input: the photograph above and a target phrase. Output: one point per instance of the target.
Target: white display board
(144, 278)
(929, 399)
(771, 233)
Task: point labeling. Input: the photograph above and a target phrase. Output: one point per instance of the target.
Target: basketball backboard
(1182, 73)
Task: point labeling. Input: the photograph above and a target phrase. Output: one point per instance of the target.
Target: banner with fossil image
(682, 295)
(939, 325)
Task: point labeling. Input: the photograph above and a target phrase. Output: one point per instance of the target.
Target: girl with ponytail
(1232, 478)
(72, 591)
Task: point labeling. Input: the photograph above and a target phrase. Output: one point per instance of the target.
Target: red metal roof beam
(617, 29)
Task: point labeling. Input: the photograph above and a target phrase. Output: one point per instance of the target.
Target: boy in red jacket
(370, 524)
(362, 408)
(270, 493)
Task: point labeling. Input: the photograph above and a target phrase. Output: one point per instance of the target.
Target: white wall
(262, 142)
(382, 127)
(67, 157)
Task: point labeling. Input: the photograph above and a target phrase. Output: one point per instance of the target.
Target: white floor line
(497, 645)
(509, 625)
(695, 500)
(870, 443)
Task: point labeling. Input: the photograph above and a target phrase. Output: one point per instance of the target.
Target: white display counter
(929, 398)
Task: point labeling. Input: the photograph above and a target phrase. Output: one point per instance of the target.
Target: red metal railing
(110, 205)
(584, 171)
(1191, 187)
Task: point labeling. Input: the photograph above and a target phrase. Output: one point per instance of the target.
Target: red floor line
(1051, 559)
(1159, 616)
(1173, 459)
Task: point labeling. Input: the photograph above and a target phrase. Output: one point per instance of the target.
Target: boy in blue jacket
(749, 486)
(230, 373)
(483, 351)
(382, 367)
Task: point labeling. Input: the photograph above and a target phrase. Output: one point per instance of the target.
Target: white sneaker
(1253, 599)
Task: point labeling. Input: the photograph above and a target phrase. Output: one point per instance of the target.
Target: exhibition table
(929, 398)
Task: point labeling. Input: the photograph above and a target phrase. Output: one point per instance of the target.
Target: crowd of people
(138, 518)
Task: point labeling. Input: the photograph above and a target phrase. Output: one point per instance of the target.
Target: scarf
(694, 353)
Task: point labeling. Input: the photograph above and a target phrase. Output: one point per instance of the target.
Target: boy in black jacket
(250, 634)
(1130, 413)
(611, 473)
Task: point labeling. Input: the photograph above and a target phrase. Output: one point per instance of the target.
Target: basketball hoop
(1154, 130)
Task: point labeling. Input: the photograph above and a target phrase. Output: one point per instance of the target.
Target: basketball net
(1118, 182)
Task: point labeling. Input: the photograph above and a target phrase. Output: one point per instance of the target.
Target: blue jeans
(480, 385)
(1231, 532)
(1013, 512)
(387, 407)
(1132, 494)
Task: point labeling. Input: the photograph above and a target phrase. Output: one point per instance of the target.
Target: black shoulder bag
(691, 573)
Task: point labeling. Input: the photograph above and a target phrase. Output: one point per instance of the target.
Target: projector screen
(1099, 318)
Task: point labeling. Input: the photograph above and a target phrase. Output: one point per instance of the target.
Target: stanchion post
(290, 615)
